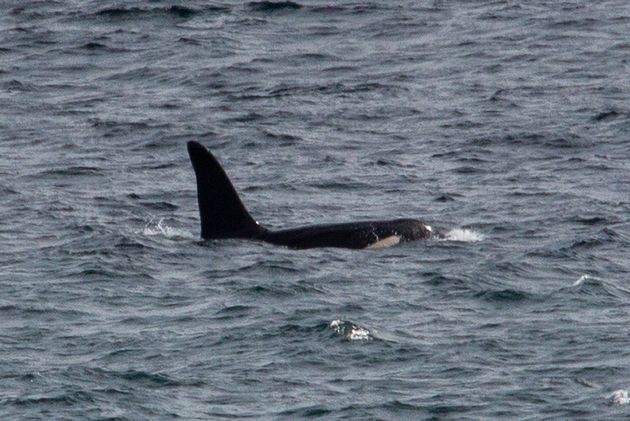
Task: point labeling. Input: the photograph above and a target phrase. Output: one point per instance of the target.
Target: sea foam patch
(619, 397)
(160, 227)
(349, 330)
(464, 235)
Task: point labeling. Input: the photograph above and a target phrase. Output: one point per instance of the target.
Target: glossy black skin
(352, 235)
(223, 215)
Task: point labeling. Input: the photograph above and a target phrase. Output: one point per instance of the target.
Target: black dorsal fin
(222, 213)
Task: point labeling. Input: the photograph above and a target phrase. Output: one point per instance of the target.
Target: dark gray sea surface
(503, 124)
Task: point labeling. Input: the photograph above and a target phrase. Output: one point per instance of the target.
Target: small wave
(619, 397)
(353, 9)
(272, 6)
(145, 377)
(72, 171)
(259, 291)
(586, 220)
(182, 11)
(18, 86)
(129, 244)
(606, 115)
(350, 331)
(282, 139)
(69, 398)
(463, 235)
(504, 295)
(161, 228)
(446, 197)
(581, 280)
(4, 190)
(591, 286)
(136, 12)
(93, 45)
(162, 206)
(235, 311)
(96, 46)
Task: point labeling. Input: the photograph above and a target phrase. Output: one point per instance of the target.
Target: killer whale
(223, 215)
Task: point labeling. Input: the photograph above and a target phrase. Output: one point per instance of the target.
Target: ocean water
(504, 124)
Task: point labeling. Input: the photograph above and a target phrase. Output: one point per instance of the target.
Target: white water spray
(160, 227)
(463, 235)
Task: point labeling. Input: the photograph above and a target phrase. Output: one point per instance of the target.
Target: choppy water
(504, 124)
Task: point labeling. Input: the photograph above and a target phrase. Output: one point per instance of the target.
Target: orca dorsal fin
(221, 211)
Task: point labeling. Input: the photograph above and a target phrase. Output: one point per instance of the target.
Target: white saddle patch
(392, 240)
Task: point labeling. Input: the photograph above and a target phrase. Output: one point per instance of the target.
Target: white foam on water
(358, 334)
(619, 397)
(463, 235)
(161, 228)
(350, 330)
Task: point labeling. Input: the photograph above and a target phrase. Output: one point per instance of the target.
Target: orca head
(414, 229)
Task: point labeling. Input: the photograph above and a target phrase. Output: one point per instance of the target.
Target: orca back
(221, 211)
